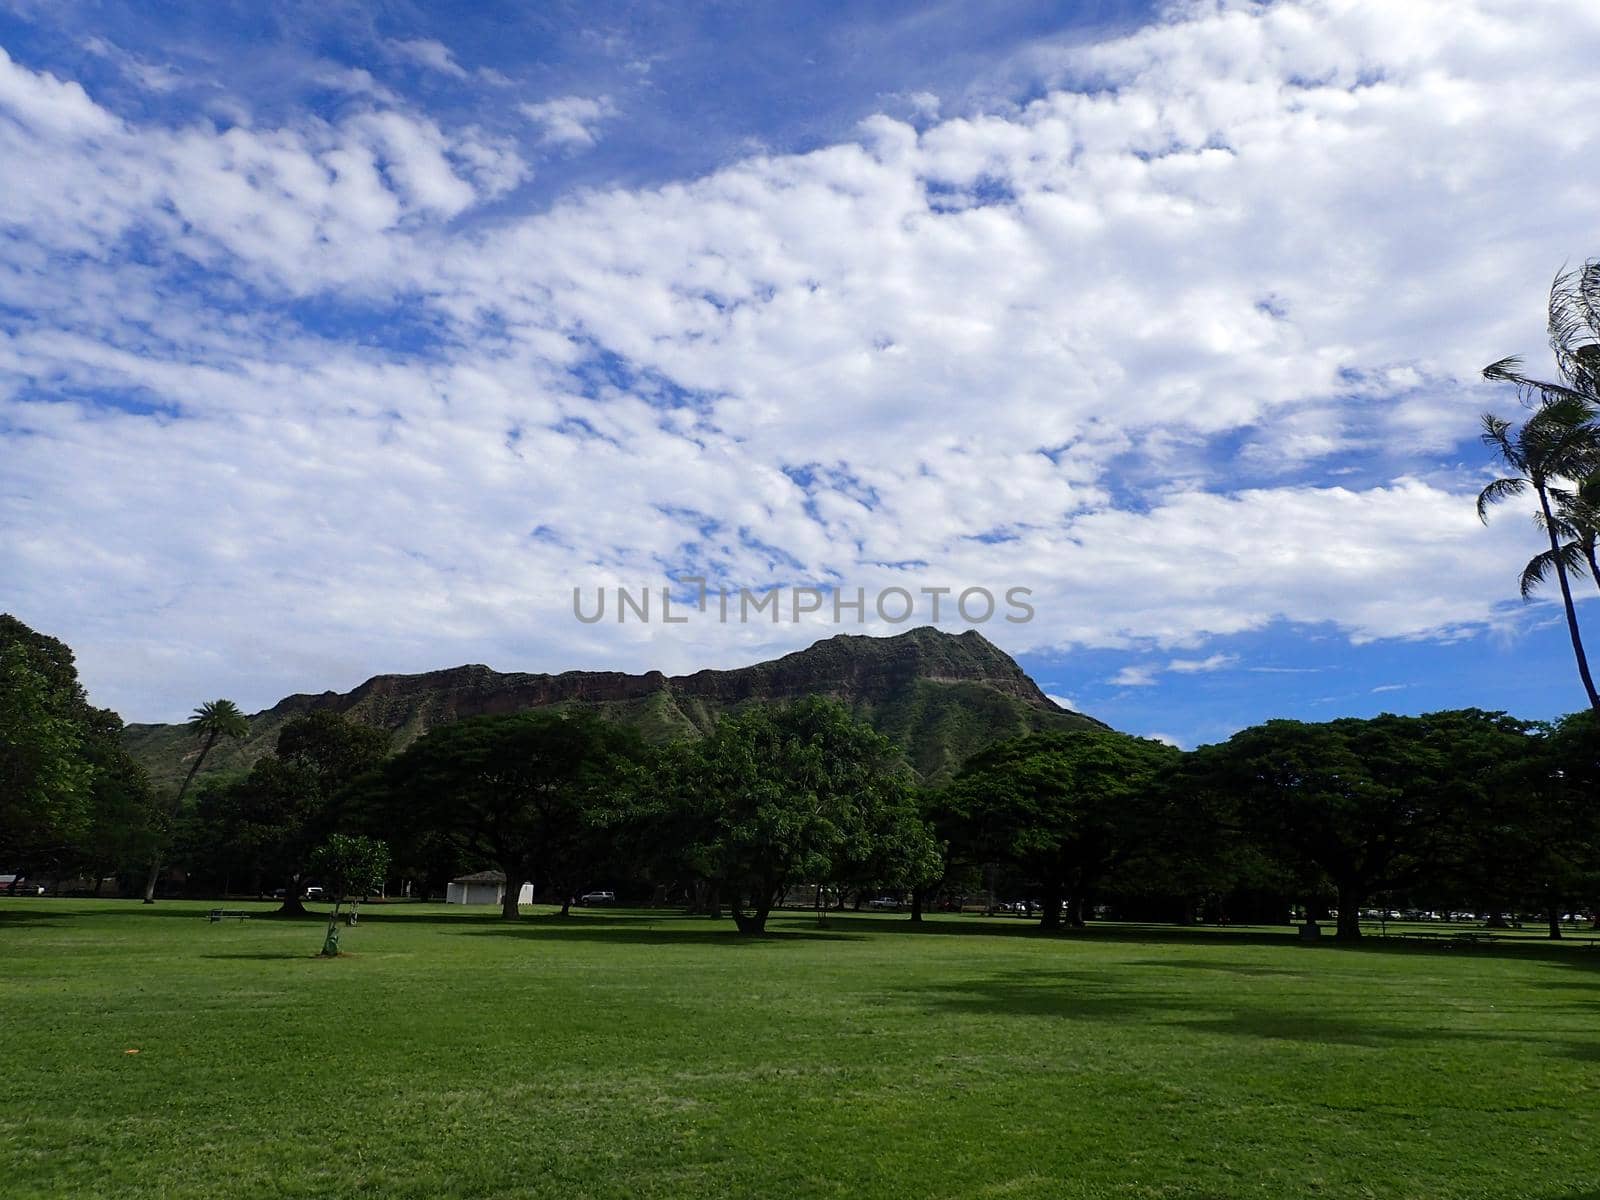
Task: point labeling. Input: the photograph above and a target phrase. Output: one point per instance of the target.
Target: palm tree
(1555, 445)
(1556, 452)
(212, 721)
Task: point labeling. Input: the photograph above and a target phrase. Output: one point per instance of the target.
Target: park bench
(221, 914)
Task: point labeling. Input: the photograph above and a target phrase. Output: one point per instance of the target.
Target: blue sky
(337, 340)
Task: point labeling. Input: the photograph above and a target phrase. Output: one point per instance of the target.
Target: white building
(485, 887)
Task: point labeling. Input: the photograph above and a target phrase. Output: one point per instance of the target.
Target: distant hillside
(938, 696)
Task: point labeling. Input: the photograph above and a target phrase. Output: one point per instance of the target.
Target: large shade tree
(1066, 808)
(45, 779)
(1366, 805)
(797, 794)
(293, 800)
(70, 796)
(529, 792)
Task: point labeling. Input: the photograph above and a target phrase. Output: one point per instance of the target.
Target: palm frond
(1530, 391)
(1574, 325)
(221, 718)
(1541, 566)
(1507, 370)
(1500, 489)
(1497, 434)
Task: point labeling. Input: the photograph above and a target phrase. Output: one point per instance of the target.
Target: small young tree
(352, 867)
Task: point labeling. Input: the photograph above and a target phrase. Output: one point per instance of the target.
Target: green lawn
(634, 1055)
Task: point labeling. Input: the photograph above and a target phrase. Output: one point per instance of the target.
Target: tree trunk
(509, 900)
(1050, 900)
(1555, 919)
(292, 905)
(177, 803)
(1566, 597)
(151, 879)
(1349, 927)
(754, 922)
(918, 896)
(330, 940)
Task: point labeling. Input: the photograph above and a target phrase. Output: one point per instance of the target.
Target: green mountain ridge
(939, 697)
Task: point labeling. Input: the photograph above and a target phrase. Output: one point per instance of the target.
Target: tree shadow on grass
(1567, 954)
(13, 919)
(1099, 996)
(1249, 970)
(662, 931)
(280, 956)
(187, 910)
(477, 917)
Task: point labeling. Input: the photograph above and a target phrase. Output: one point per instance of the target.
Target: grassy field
(637, 1055)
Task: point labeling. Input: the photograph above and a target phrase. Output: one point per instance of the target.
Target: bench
(220, 914)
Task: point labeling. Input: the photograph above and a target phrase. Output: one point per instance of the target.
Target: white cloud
(1134, 677)
(1113, 346)
(1192, 666)
(1066, 702)
(570, 120)
(153, 77)
(429, 53)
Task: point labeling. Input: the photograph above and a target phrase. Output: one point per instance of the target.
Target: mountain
(938, 696)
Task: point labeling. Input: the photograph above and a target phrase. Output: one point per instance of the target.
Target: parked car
(589, 898)
(313, 893)
(882, 902)
(18, 885)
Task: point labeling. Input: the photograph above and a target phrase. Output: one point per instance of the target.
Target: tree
(350, 867)
(1557, 448)
(124, 818)
(1367, 804)
(781, 796)
(1570, 864)
(527, 791)
(212, 721)
(801, 793)
(1064, 807)
(901, 855)
(45, 780)
(1557, 443)
(293, 800)
(70, 795)
(268, 822)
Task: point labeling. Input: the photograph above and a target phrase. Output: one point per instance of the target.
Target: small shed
(484, 887)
